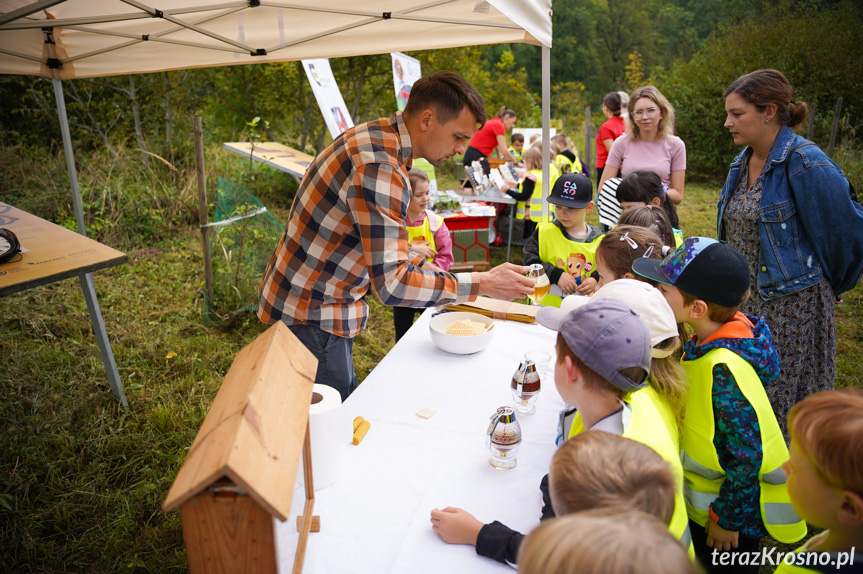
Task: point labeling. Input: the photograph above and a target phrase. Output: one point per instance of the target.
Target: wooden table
(52, 253)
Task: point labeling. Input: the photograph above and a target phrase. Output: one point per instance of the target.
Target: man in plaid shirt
(346, 233)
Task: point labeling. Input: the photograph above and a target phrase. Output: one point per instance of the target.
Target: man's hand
(718, 537)
(567, 283)
(506, 282)
(588, 286)
(455, 526)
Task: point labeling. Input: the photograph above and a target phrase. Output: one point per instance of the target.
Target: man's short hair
(596, 469)
(828, 428)
(447, 94)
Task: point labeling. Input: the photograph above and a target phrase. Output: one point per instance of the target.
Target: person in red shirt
(491, 137)
(609, 131)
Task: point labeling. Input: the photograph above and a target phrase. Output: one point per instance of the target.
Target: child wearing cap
(594, 470)
(594, 542)
(825, 480)
(566, 247)
(731, 445)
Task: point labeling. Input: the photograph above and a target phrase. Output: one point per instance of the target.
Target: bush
(801, 42)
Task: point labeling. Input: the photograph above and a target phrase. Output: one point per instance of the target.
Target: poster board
(529, 132)
(329, 98)
(406, 71)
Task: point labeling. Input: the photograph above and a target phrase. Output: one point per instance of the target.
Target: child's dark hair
(516, 138)
(651, 217)
(645, 186)
(617, 251)
(715, 311)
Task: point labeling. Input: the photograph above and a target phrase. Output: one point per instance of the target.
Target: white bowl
(460, 344)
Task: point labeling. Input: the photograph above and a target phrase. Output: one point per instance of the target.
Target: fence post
(587, 138)
(202, 208)
(835, 126)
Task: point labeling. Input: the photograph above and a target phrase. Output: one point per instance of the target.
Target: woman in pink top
(491, 137)
(649, 143)
(609, 131)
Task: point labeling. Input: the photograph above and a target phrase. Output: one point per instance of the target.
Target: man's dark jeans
(335, 358)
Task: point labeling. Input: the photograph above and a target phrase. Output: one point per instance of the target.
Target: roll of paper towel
(331, 431)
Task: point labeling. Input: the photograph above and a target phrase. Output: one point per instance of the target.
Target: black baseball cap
(706, 268)
(571, 190)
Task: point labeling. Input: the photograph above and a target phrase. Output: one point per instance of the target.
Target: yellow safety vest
(566, 165)
(678, 236)
(426, 231)
(516, 155)
(535, 212)
(802, 556)
(703, 475)
(646, 426)
(672, 422)
(556, 249)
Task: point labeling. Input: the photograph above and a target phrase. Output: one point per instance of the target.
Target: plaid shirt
(346, 232)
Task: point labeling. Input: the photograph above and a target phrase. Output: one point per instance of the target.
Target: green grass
(83, 479)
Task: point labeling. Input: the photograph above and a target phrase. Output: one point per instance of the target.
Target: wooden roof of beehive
(256, 426)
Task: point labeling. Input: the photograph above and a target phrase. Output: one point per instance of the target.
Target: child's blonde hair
(828, 428)
(596, 469)
(616, 250)
(591, 542)
(652, 217)
(558, 143)
(532, 158)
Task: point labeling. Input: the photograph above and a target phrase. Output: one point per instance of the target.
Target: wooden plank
(227, 532)
(53, 252)
(255, 429)
(275, 155)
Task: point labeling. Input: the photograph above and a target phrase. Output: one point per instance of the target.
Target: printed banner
(327, 94)
(406, 71)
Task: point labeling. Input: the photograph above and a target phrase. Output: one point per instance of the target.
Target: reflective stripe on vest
(703, 475)
(536, 200)
(424, 230)
(556, 249)
(646, 426)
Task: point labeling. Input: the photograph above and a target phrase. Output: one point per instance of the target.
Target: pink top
(663, 156)
(485, 139)
(611, 129)
(442, 242)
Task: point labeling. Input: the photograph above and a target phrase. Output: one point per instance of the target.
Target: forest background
(82, 479)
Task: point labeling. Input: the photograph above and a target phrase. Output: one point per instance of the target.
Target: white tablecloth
(375, 519)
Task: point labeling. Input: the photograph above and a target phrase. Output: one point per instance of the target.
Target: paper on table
(499, 309)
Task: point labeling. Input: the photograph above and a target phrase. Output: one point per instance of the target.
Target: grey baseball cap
(607, 336)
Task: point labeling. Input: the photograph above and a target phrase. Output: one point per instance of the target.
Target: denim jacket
(809, 227)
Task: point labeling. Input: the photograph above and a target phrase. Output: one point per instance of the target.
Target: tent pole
(546, 122)
(86, 280)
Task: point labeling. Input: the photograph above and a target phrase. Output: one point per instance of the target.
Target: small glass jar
(525, 386)
(503, 438)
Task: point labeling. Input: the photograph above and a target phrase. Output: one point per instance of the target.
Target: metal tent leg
(87, 279)
(102, 338)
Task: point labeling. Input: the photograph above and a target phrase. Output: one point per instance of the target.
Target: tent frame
(17, 20)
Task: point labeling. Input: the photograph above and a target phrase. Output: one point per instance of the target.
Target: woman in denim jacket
(785, 205)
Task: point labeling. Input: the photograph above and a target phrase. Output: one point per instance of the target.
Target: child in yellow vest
(594, 470)
(516, 145)
(565, 156)
(599, 542)
(428, 236)
(566, 247)
(731, 446)
(528, 197)
(825, 481)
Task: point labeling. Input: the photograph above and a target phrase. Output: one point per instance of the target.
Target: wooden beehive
(240, 471)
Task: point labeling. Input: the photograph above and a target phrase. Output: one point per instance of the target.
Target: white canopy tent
(65, 39)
